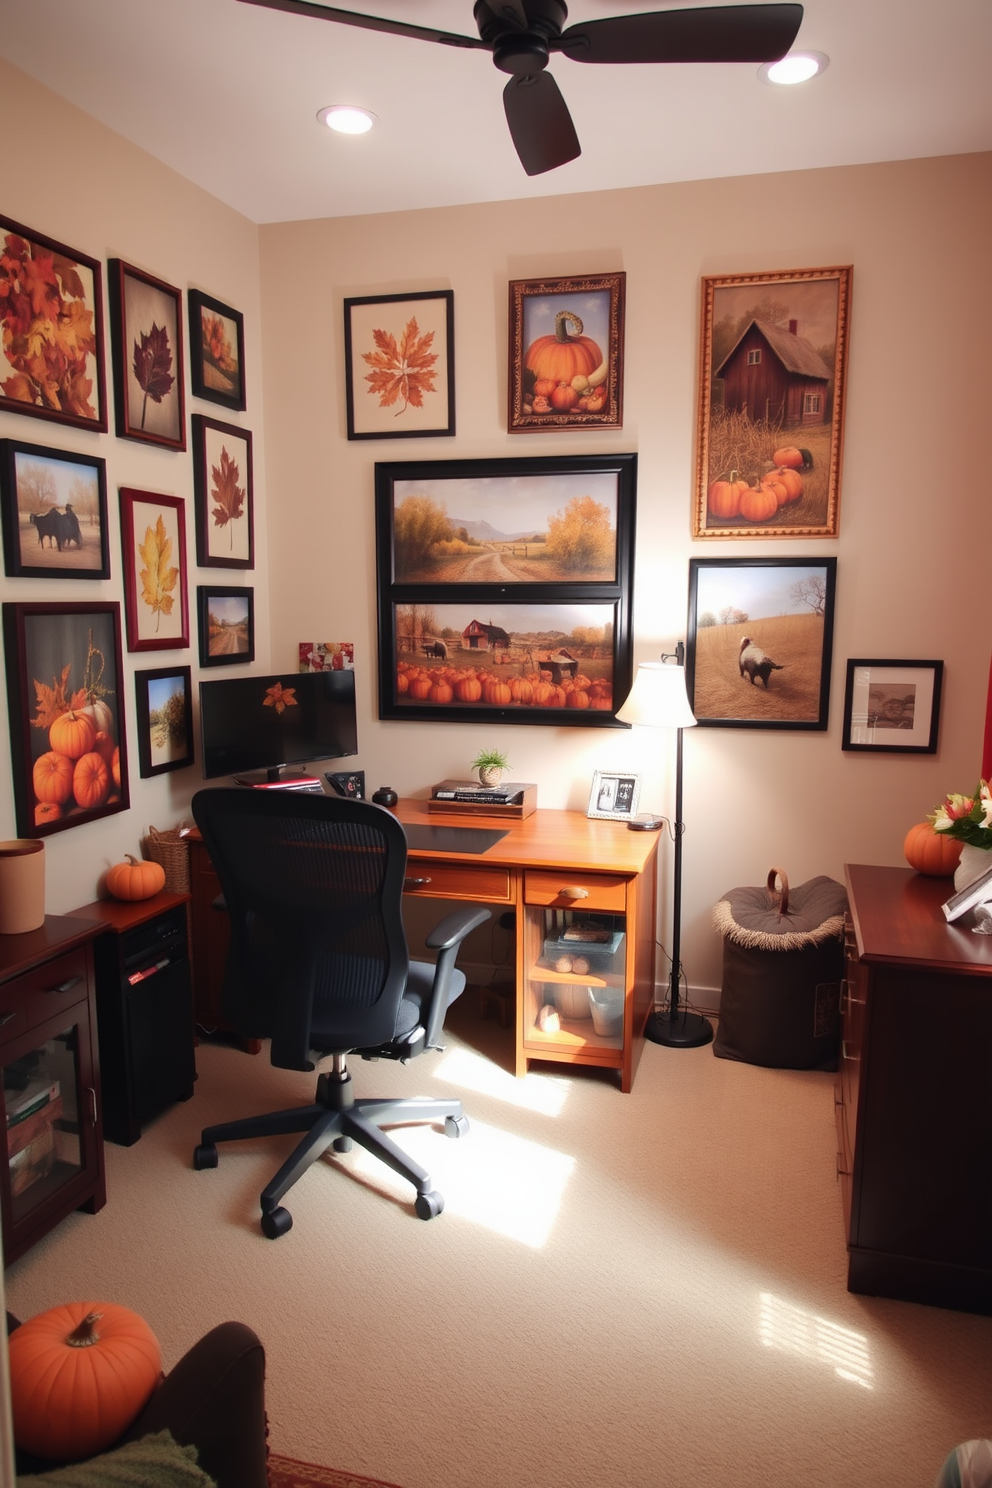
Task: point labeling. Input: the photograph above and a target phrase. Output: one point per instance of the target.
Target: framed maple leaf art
(146, 332)
(216, 351)
(222, 487)
(68, 740)
(153, 545)
(399, 353)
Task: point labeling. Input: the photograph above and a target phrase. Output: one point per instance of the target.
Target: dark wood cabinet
(51, 1080)
(913, 1095)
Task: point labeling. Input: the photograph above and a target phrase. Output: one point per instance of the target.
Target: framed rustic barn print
(146, 328)
(760, 633)
(223, 491)
(892, 707)
(216, 351)
(66, 711)
(505, 587)
(226, 623)
(399, 354)
(164, 711)
(566, 353)
(52, 358)
(153, 546)
(773, 357)
(53, 505)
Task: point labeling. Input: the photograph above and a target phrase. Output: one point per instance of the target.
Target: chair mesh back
(314, 890)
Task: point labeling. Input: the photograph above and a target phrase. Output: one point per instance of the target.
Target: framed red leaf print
(222, 486)
(146, 332)
(399, 353)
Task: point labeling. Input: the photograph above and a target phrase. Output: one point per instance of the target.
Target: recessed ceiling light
(797, 67)
(346, 119)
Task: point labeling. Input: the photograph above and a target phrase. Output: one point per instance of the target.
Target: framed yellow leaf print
(153, 540)
(399, 355)
(222, 486)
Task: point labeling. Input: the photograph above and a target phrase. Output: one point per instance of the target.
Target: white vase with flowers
(969, 820)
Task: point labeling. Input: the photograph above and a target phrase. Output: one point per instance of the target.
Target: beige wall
(911, 565)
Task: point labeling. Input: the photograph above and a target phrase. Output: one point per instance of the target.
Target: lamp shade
(658, 698)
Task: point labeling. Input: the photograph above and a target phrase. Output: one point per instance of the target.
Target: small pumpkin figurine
(135, 878)
(930, 852)
(79, 1375)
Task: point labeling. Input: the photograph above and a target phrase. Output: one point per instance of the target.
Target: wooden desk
(551, 864)
(913, 1097)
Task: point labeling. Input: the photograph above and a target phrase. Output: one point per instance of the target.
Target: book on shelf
(515, 798)
(23, 1133)
(21, 1104)
(493, 795)
(977, 892)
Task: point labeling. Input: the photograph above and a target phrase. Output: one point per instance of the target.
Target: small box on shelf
(467, 798)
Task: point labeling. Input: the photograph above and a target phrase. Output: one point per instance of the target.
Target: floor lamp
(658, 699)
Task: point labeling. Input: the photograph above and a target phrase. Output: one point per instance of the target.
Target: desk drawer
(561, 889)
(57, 985)
(444, 880)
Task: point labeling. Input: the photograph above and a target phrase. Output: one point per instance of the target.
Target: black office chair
(318, 964)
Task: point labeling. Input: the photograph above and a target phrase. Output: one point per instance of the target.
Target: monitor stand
(277, 779)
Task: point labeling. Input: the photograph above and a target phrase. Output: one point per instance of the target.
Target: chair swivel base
(336, 1119)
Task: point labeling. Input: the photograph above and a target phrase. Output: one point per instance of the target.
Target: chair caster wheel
(205, 1156)
(455, 1126)
(276, 1222)
(429, 1205)
(342, 1144)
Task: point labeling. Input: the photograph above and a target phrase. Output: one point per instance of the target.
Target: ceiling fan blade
(720, 33)
(369, 23)
(540, 125)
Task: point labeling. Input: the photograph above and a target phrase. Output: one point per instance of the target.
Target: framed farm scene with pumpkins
(773, 353)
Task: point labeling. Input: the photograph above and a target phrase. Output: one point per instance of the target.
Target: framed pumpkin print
(399, 356)
(892, 707)
(164, 709)
(146, 328)
(54, 513)
(52, 357)
(223, 492)
(153, 544)
(773, 358)
(216, 351)
(566, 353)
(758, 652)
(66, 702)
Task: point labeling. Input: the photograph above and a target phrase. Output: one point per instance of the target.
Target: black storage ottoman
(783, 961)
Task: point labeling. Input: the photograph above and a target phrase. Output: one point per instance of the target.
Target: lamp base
(685, 1031)
(645, 822)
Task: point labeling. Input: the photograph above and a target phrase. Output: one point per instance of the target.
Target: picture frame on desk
(614, 795)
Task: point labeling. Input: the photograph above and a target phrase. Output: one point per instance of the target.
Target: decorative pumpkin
(758, 503)
(136, 878)
(544, 387)
(790, 479)
(90, 780)
(419, 688)
(790, 456)
(930, 852)
(79, 1374)
(468, 690)
(100, 714)
(104, 746)
(521, 691)
(723, 499)
(72, 734)
(46, 811)
(51, 777)
(561, 357)
(577, 697)
(778, 488)
(440, 692)
(564, 397)
(497, 694)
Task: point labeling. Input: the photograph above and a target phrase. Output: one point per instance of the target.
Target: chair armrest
(446, 939)
(449, 933)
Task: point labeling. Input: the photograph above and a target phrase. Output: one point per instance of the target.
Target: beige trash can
(22, 885)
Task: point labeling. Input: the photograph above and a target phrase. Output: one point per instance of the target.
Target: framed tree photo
(52, 358)
(216, 351)
(164, 710)
(53, 505)
(566, 353)
(153, 545)
(146, 327)
(759, 641)
(773, 358)
(66, 704)
(227, 625)
(892, 707)
(399, 356)
(223, 492)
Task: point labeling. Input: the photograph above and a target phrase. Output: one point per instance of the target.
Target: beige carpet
(645, 1290)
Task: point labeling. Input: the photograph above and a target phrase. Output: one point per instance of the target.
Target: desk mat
(452, 839)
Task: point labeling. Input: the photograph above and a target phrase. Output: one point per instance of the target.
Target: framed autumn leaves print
(216, 351)
(147, 333)
(153, 543)
(399, 353)
(222, 484)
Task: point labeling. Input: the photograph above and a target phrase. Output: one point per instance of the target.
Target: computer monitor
(253, 728)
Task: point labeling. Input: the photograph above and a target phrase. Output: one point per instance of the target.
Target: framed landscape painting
(52, 357)
(164, 710)
(146, 327)
(227, 625)
(759, 641)
(53, 505)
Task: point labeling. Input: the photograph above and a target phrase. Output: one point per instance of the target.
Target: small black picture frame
(892, 707)
(216, 351)
(226, 617)
(40, 541)
(399, 355)
(164, 709)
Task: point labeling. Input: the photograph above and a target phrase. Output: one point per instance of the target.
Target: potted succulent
(491, 765)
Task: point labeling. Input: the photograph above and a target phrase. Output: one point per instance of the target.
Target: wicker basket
(170, 849)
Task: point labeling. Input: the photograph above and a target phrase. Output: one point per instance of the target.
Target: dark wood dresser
(914, 1094)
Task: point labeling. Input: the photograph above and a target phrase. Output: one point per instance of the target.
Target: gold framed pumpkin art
(566, 353)
(773, 354)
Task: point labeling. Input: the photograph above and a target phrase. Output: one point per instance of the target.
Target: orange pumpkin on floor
(930, 852)
(79, 1374)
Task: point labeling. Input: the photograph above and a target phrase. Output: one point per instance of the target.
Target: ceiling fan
(521, 34)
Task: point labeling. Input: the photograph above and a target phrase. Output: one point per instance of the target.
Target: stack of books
(31, 1117)
(514, 799)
